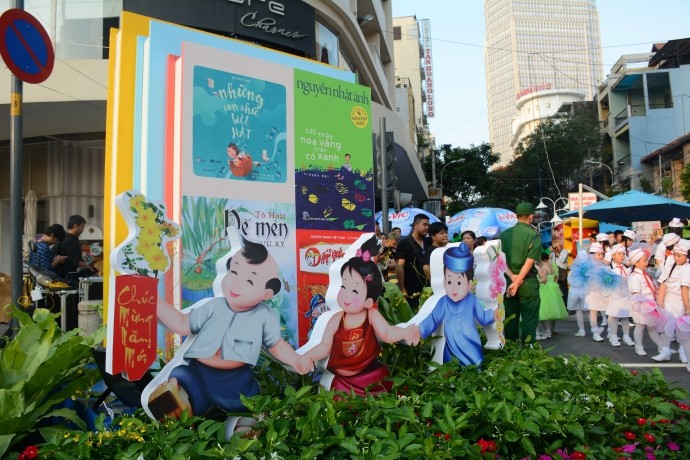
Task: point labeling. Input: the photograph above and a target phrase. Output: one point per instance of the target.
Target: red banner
(134, 337)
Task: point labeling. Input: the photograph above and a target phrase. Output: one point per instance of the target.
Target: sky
(457, 34)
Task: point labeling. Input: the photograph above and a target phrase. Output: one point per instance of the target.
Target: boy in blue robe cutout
(459, 310)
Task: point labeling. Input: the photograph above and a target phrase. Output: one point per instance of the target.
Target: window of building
(397, 33)
(659, 90)
(326, 45)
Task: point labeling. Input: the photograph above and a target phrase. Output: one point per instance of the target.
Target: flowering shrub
(524, 404)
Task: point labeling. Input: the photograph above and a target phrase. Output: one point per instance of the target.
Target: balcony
(620, 119)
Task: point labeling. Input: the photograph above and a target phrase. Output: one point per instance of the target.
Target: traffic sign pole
(16, 170)
(16, 178)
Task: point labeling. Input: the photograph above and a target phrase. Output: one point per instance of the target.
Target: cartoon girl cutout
(350, 337)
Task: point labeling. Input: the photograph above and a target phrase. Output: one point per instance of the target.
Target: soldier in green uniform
(522, 247)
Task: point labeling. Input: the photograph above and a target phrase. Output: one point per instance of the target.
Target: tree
(685, 183)
(548, 162)
(467, 179)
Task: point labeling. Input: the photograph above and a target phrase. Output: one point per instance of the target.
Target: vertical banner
(334, 160)
(134, 325)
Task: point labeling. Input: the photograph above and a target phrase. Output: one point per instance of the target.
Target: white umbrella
(29, 218)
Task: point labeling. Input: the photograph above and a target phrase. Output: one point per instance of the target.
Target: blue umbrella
(404, 218)
(634, 206)
(488, 222)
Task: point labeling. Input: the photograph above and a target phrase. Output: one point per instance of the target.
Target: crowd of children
(614, 281)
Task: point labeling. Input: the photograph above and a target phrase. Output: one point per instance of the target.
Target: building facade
(533, 46)
(645, 110)
(64, 118)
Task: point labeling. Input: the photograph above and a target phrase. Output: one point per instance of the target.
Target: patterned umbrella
(404, 218)
(488, 222)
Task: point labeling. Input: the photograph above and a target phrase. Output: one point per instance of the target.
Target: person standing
(560, 257)
(670, 299)
(664, 252)
(410, 257)
(618, 308)
(438, 231)
(71, 248)
(552, 306)
(640, 283)
(522, 248)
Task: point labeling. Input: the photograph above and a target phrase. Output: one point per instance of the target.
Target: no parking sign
(25, 46)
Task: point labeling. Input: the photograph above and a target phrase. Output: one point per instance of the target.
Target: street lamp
(599, 163)
(461, 160)
(555, 220)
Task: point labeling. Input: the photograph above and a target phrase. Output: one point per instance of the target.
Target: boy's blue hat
(458, 259)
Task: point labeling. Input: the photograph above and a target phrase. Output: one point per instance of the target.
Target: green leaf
(531, 427)
(576, 430)
(528, 390)
(350, 446)
(511, 436)
(528, 446)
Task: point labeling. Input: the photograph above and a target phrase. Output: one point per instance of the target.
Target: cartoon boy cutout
(458, 310)
(351, 336)
(228, 333)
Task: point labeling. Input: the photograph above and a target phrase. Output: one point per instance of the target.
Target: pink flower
(501, 263)
(630, 447)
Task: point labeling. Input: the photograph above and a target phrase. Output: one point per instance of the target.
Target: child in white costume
(640, 283)
(669, 296)
(618, 307)
(593, 297)
(664, 253)
(577, 280)
(681, 326)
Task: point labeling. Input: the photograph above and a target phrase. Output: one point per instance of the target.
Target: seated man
(41, 258)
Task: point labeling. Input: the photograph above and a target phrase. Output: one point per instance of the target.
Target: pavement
(564, 342)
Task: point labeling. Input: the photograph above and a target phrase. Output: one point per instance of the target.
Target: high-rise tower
(533, 46)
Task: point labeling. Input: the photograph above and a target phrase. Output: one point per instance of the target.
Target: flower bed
(523, 404)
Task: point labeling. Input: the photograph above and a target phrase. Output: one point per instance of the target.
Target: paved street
(565, 342)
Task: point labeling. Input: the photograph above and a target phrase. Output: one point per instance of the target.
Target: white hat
(635, 255)
(676, 222)
(630, 234)
(670, 239)
(602, 237)
(617, 248)
(682, 247)
(595, 247)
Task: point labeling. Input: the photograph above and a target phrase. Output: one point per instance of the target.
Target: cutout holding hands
(350, 338)
(214, 367)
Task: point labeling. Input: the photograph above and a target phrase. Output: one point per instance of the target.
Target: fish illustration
(313, 198)
(341, 188)
(347, 204)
